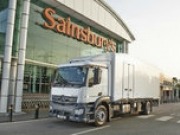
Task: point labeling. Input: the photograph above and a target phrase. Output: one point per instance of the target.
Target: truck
(101, 87)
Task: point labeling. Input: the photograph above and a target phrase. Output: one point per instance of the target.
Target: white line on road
(145, 116)
(164, 118)
(178, 122)
(90, 130)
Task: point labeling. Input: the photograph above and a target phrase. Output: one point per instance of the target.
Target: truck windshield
(70, 76)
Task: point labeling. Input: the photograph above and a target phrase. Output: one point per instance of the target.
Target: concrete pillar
(21, 56)
(7, 55)
(12, 81)
(15, 47)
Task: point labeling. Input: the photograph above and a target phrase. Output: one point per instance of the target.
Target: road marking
(164, 118)
(145, 116)
(178, 122)
(90, 130)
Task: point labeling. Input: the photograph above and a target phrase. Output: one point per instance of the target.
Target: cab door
(94, 90)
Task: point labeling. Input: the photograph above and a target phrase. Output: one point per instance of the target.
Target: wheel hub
(101, 116)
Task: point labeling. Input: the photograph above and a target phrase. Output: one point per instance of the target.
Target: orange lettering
(68, 26)
(65, 26)
(99, 42)
(109, 45)
(95, 40)
(90, 36)
(48, 15)
(74, 31)
(113, 45)
(106, 45)
(61, 27)
(82, 35)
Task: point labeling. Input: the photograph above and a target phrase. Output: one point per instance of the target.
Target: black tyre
(147, 108)
(101, 115)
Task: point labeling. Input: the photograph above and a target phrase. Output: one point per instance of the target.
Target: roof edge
(116, 16)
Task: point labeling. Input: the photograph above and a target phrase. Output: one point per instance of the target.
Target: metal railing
(31, 100)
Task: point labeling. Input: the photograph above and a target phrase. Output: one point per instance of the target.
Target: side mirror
(90, 84)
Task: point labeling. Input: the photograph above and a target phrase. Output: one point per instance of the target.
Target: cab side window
(95, 75)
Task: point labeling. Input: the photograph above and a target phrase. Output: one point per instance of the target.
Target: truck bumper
(76, 113)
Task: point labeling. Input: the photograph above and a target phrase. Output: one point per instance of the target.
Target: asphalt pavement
(44, 113)
(165, 120)
(24, 116)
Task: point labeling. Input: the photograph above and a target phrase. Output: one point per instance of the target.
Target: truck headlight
(79, 111)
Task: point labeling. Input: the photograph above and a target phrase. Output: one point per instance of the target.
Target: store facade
(38, 35)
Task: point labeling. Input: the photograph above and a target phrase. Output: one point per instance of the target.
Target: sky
(155, 25)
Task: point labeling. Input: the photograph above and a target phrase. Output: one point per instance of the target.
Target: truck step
(89, 113)
(90, 105)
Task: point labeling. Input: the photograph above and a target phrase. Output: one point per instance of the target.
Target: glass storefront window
(119, 47)
(2, 38)
(3, 4)
(3, 21)
(37, 79)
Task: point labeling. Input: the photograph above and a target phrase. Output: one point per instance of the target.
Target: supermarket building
(38, 35)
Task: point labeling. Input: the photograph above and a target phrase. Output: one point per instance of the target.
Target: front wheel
(100, 115)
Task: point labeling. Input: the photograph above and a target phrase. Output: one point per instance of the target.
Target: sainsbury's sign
(66, 27)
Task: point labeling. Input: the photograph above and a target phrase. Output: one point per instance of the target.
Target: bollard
(10, 113)
(36, 111)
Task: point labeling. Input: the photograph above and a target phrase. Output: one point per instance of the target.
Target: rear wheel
(100, 115)
(147, 108)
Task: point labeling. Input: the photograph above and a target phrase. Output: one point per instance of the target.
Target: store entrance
(37, 79)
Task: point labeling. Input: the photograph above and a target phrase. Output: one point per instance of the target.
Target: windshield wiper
(64, 82)
(60, 80)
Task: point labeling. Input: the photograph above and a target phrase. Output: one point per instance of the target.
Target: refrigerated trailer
(98, 88)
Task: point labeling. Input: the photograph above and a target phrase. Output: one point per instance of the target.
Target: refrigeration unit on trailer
(97, 88)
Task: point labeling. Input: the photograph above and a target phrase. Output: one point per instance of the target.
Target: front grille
(64, 99)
